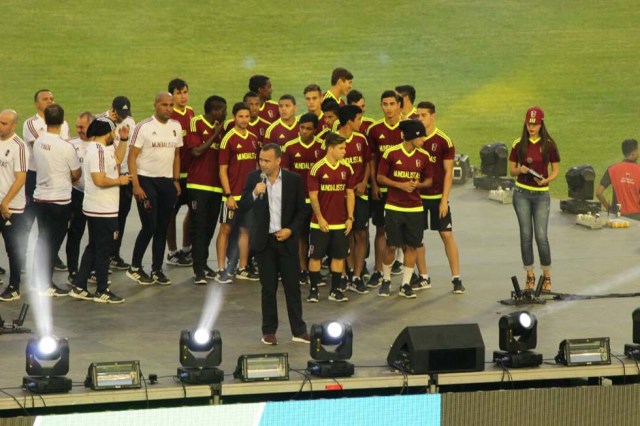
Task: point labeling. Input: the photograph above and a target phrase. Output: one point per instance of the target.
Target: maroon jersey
(364, 126)
(300, 158)
(440, 148)
(382, 136)
(402, 166)
(357, 155)
(204, 173)
(184, 118)
(329, 95)
(240, 153)
(332, 183)
(280, 133)
(413, 115)
(535, 162)
(269, 111)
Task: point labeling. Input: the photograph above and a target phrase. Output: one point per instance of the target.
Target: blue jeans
(532, 210)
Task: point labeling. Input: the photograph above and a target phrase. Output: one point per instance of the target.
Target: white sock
(425, 276)
(186, 249)
(172, 252)
(406, 278)
(386, 271)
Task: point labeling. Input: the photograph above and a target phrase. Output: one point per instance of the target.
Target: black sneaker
(139, 276)
(385, 288)
(118, 263)
(9, 294)
(314, 296)
(350, 275)
(223, 277)
(304, 277)
(343, 284)
(209, 273)
(178, 259)
(414, 278)
(107, 297)
(71, 277)
(406, 291)
(246, 274)
(54, 291)
(200, 279)
(375, 280)
(80, 293)
(397, 268)
(421, 284)
(94, 280)
(458, 288)
(159, 277)
(338, 296)
(358, 286)
(188, 255)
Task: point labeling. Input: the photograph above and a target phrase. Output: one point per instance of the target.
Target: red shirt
(300, 158)
(402, 166)
(269, 111)
(357, 156)
(332, 183)
(625, 178)
(184, 118)
(535, 162)
(204, 173)
(240, 153)
(440, 148)
(280, 133)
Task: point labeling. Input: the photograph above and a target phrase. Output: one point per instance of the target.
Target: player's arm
(407, 186)
(176, 170)
(555, 169)
(361, 188)
(132, 162)
(226, 186)
(351, 204)
(605, 182)
(101, 180)
(121, 150)
(315, 205)
(200, 149)
(18, 183)
(373, 167)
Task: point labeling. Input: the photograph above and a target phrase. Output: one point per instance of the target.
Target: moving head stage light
(200, 355)
(580, 181)
(493, 165)
(518, 333)
(47, 364)
(331, 345)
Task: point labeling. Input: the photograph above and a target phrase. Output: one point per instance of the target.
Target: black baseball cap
(100, 127)
(412, 129)
(121, 106)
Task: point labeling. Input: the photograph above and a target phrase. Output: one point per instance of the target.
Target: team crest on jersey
(343, 175)
(358, 146)
(529, 160)
(254, 144)
(270, 113)
(418, 163)
(434, 147)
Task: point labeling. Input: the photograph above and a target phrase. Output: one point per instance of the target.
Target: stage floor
(148, 325)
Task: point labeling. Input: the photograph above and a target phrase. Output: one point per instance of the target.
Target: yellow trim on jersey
(385, 154)
(231, 133)
(431, 197)
(227, 122)
(442, 135)
(254, 122)
(279, 121)
(535, 141)
(197, 118)
(235, 197)
(364, 197)
(186, 108)
(315, 140)
(331, 227)
(532, 188)
(325, 161)
(403, 209)
(204, 187)
(270, 101)
(183, 174)
(329, 94)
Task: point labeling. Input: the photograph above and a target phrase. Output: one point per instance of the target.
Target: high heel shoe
(546, 285)
(531, 283)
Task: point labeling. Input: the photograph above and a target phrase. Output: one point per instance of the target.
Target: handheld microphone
(263, 176)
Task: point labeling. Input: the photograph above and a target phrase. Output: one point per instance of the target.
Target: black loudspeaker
(438, 349)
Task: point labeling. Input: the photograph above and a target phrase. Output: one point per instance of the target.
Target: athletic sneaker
(246, 274)
(358, 286)
(200, 279)
(139, 276)
(350, 275)
(458, 288)
(178, 259)
(9, 294)
(80, 293)
(71, 277)
(406, 291)
(94, 280)
(304, 277)
(54, 291)
(338, 296)
(107, 297)
(302, 338)
(159, 277)
(209, 273)
(59, 265)
(385, 288)
(223, 277)
(314, 296)
(397, 268)
(375, 280)
(269, 339)
(343, 284)
(421, 284)
(118, 263)
(188, 255)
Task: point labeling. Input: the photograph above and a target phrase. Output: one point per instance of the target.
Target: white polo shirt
(81, 148)
(33, 128)
(129, 121)
(158, 143)
(100, 202)
(13, 158)
(55, 158)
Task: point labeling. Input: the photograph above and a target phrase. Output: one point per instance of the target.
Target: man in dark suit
(277, 199)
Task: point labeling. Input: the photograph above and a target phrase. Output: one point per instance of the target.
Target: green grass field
(483, 63)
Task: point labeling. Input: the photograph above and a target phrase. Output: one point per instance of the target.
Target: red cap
(535, 115)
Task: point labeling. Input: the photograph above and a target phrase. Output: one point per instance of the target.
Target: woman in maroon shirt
(529, 161)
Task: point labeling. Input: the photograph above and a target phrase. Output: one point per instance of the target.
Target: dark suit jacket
(292, 212)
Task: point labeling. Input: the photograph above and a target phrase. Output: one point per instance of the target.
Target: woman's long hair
(545, 137)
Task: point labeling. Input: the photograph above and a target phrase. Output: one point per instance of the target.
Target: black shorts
(432, 219)
(404, 228)
(234, 217)
(361, 215)
(183, 198)
(376, 207)
(333, 244)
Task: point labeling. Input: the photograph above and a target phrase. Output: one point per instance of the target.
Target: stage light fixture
(331, 345)
(47, 362)
(493, 166)
(580, 182)
(518, 333)
(461, 169)
(632, 350)
(262, 367)
(114, 375)
(200, 355)
(588, 351)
